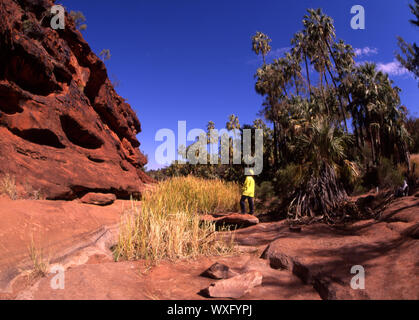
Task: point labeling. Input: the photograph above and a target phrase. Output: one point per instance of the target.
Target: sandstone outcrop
(63, 129)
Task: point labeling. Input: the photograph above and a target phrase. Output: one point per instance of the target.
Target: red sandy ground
(312, 264)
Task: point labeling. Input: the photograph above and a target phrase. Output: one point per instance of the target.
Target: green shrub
(389, 175)
(289, 179)
(265, 190)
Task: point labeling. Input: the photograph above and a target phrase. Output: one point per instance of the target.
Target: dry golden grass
(193, 195)
(39, 263)
(8, 186)
(167, 225)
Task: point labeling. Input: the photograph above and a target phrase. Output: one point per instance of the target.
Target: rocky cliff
(63, 129)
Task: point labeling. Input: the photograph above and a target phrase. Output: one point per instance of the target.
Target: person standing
(248, 193)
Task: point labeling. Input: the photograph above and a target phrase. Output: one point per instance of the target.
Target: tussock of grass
(166, 224)
(8, 186)
(39, 263)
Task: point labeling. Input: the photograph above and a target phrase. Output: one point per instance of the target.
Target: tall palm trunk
(276, 151)
(373, 154)
(322, 94)
(357, 137)
(296, 85)
(308, 75)
(342, 109)
(275, 135)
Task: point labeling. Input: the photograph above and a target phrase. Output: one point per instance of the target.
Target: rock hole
(79, 135)
(97, 160)
(9, 101)
(62, 75)
(43, 137)
(29, 73)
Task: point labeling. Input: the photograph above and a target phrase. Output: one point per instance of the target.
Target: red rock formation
(63, 128)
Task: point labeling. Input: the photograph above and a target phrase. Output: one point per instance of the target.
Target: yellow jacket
(249, 187)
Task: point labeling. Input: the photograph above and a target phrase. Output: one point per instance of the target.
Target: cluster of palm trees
(331, 118)
(332, 123)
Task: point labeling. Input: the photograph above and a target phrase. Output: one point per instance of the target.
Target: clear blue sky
(192, 60)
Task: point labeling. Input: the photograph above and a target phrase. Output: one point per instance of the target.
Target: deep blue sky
(192, 60)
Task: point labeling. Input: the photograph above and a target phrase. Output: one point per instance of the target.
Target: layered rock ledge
(64, 131)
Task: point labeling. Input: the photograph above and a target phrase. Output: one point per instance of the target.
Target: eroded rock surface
(315, 263)
(235, 287)
(63, 129)
(386, 249)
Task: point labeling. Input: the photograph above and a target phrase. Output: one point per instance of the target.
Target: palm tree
(260, 45)
(301, 51)
(268, 83)
(321, 30)
(321, 149)
(410, 51)
(415, 10)
(379, 114)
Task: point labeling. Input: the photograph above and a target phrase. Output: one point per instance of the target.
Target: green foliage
(288, 179)
(260, 44)
(325, 139)
(79, 20)
(415, 11)
(412, 126)
(409, 57)
(386, 175)
(390, 176)
(265, 190)
(105, 54)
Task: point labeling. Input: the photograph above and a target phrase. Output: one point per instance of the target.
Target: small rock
(235, 287)
(219, 271)
(100, 199)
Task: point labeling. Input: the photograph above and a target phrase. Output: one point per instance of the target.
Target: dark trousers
(243, 204)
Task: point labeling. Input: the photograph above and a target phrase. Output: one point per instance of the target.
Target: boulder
(63, 129)
(235, 287)
(219, 271)
(99, 199)
(238, 219)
